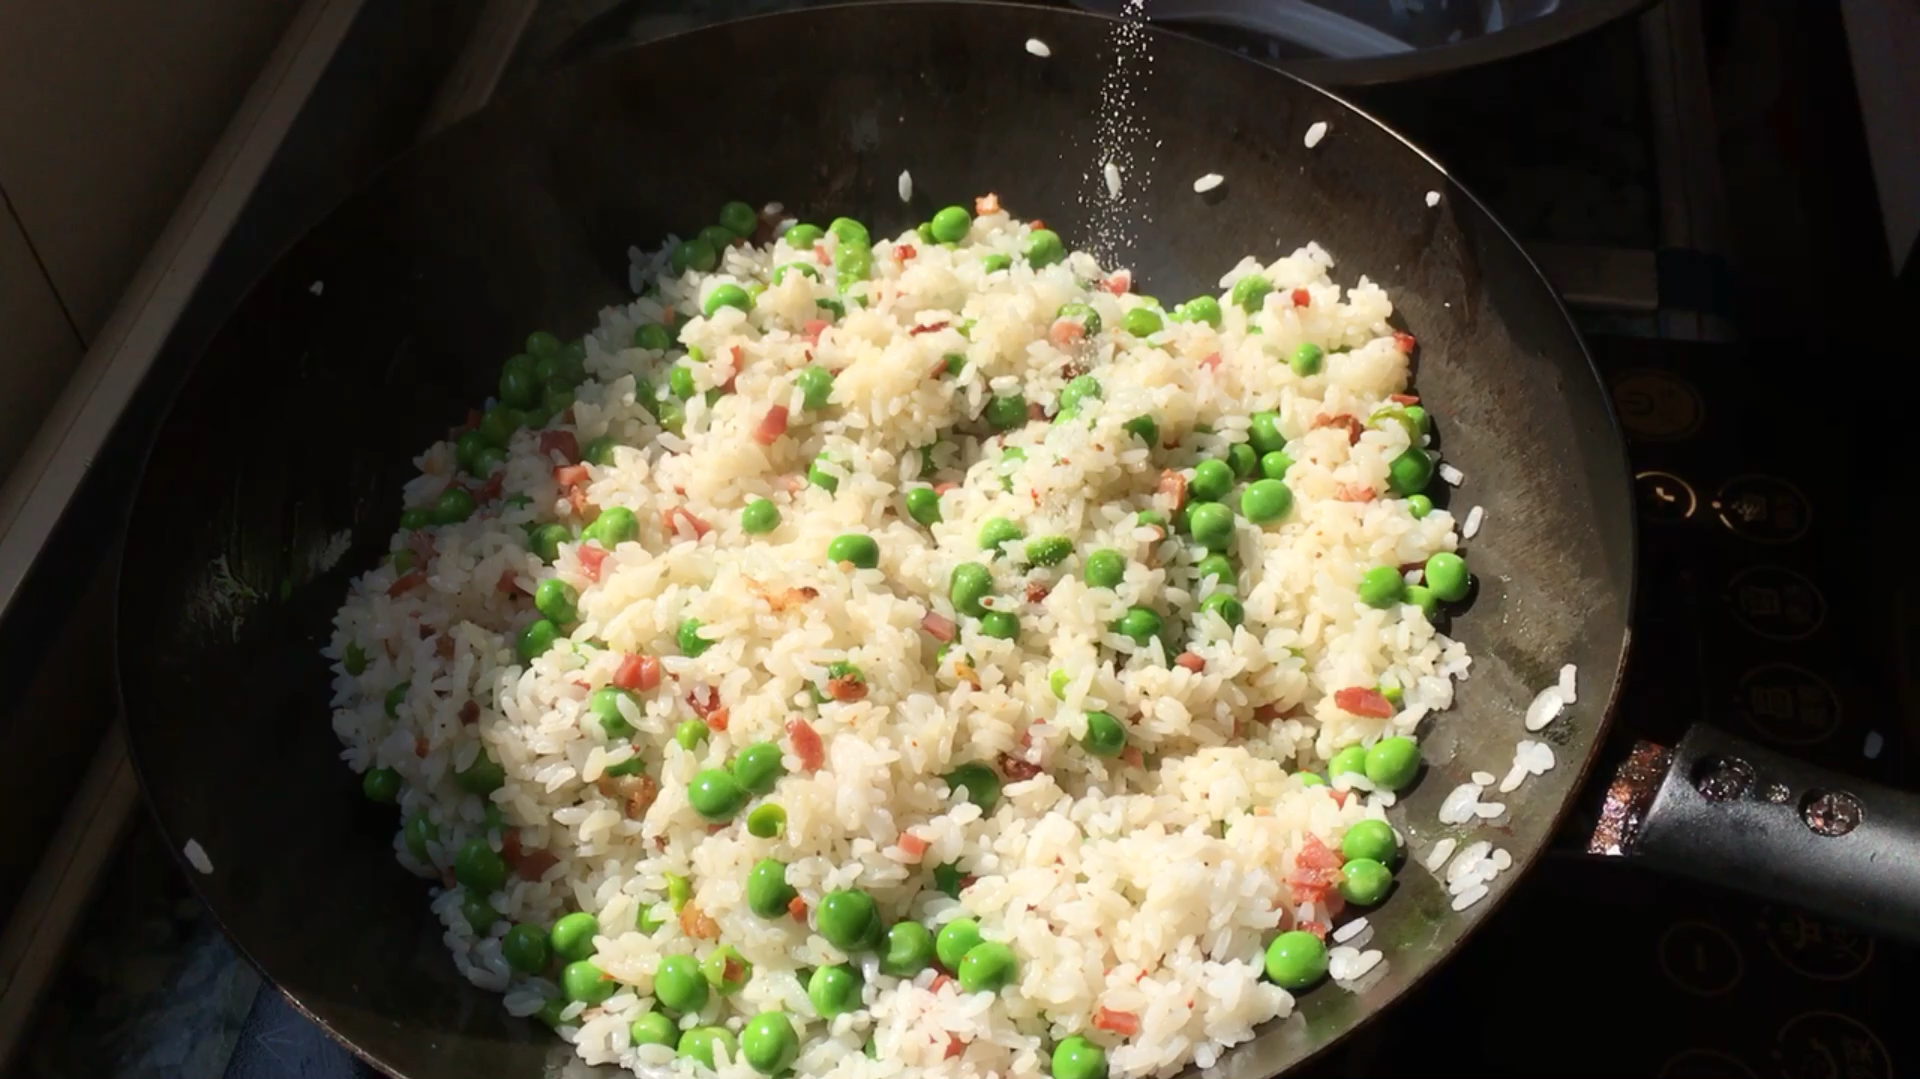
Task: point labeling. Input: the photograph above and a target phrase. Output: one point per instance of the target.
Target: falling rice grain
(1112, 172)
(197, 856)
(1433, 198)
(1315, 133)
(1208, 182)
(317, 287)
(1038, 47)
(906, 186)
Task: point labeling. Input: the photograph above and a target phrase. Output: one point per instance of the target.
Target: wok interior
(299, 425)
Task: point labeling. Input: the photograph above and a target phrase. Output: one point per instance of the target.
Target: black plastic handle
(1730, 813)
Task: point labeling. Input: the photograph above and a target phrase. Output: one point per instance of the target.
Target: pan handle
(1723, 811)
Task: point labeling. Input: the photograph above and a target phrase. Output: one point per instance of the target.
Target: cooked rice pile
(1137, 891)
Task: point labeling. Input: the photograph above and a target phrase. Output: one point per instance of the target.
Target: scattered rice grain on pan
(1208, 182)
(1468, 898)
(1484, 779)
(1441, 851)
(1545, 708)
(1038, 47)
(197, 856)
(1316, 132)
(1452, 475)
(692, 607)
(1569, 683)
(1471, 527)
(1349, 930)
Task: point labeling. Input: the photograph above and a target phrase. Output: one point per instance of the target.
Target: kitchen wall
(107, 110)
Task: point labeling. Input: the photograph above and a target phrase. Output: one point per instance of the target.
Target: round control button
(1763, 509)
(1776, 603)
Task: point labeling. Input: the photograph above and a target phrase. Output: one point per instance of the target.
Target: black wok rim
(1488, 907)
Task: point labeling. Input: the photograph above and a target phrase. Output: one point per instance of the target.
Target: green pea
(534, 640)
(519, 386)
(739, 219)
(834, 990)
(1264, 432)
(491, 818)
(605, 706)
(1140, 624)
(1211, 481)
(1393, 762)
(414, 520)
(1364, 881)
(757, 767)
(716, 794)
(995, 531)
(728, 295)
(600, 451)
(725, 970)
(1369, 838)
(467, 448)
(909, 950)
(768, 892)
(803, 268)
(1274, 466)
(680, 381)
(477, 908)
(672, 416)
(1212, 525)
(1142, 321)
(631, 766)
(1105, 736)
(381, 785)
(971, 582)
(679, 891)
(802, 236)
(1306, 359)
(1446, 575)
(1381, 586)
(1242, 460)
(1352, 759)
(1086, 316)
(1077, 390)
(1199, 309)
(1217, 566)
(1001, 625)
(479, 867)
(987, 967)
(707, 1045)
(1419, 506)
(1150, 519)
(1143, 428)
(1077, 1058)
(955, 940)
(615, 525)
(1044, 248)
(1250, 292)
(482, 777)
(1048, 550)
(847, 230)
(768, 1043)
(419, 831)
(1311, 779)
(525, 948)
(1229, 609)
(549, 1013)
(816, 386)
(557, 599)
(499, 423)
(923, 505)
(678, 984)
(820, 477)
(1296, 959)
(687, 636)
(847, 918)
(766, 821)
(1409, 473)
(650, 919)
(982, 784)
(1057, 684)
(1422, 597)
(718, 237)
(1392, 693)
(652, 336)
(694, 254)
(1105, 568)
(854, 548)
(653, 1028)
(1006, 413)
(759, 517)
(851, 265)
(690, 733)
(951, 224)
(924, 230)
(454, 505)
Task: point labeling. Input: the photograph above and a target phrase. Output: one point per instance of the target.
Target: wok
(276, 477)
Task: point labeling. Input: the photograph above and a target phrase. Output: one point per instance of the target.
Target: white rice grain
(1452, 475)
(197, 856)
(1349, 930)
(905, 186)
(317, 287)
(1469, 897)
(1471, 526)
(1038, 48)
(1485, 779)
(1315, 133)
(1569, 681)
(1457, 806)
(1545, 708)
(1112, 173)
(1433, 198)
(1441, 851)
(1208, 182)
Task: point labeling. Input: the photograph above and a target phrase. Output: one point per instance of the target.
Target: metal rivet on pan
(1831, 813)
(1722, 779)
(1778, 794)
